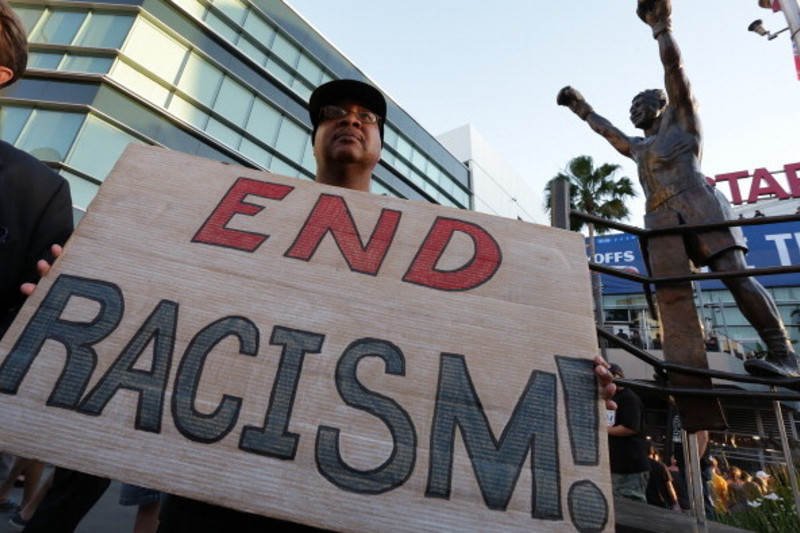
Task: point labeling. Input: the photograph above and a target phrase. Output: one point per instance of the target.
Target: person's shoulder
(19, 165)
(627, 391)
(631, 396)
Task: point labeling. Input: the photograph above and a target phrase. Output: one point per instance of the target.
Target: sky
(499, 66)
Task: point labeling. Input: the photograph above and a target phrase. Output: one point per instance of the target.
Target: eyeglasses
(334, 112)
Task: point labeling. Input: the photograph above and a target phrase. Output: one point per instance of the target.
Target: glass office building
(223, 79)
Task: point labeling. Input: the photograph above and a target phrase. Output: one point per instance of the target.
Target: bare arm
(621, 431)
(673, 504)
(571, 98)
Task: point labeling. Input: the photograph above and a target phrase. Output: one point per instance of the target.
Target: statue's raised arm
(658, 15)
(571, 98)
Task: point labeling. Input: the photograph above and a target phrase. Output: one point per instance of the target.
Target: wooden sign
(336, 358)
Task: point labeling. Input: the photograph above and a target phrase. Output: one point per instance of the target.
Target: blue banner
(769, 246)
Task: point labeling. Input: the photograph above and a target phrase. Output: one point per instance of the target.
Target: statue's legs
(680, 324)
(760, 310)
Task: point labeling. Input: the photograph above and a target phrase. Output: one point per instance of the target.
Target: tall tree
(595, 191)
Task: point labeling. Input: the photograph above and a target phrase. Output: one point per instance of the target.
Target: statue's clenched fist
(568, 96)
(574, 100)
(654, 12)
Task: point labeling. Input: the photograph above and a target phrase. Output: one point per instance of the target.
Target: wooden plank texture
(337, 358)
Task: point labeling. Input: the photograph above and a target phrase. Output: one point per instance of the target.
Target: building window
(47, 135)
(150, 47)
(12, 120)
(234, 101)
(233, 9)
(28, 15)
(81, 190)
(58, 27)
(255, 153)
(264, 122)
(223, 133)
(187, 111)
(44, 60)
(200, 79)
(221, 26)
(97, 147)
(259, 30)
(140, 83)
(104, 30)
(291, 140)
(85, 63)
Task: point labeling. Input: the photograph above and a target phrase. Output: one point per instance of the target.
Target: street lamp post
(791, 11)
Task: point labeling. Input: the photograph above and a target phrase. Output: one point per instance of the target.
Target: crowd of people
(639, 473)
(727, 488)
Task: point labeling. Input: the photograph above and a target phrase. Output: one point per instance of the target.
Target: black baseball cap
(614, 368)
(336, 91)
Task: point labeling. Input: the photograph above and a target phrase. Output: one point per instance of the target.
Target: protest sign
(336, 358)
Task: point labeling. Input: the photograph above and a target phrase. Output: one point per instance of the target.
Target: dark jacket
(35, 213)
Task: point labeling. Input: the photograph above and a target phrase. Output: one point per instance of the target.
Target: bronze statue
(668, 162)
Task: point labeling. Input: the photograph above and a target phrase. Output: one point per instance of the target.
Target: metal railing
(663, 368)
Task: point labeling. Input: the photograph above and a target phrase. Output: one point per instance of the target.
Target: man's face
(348, 140)
(643, 112)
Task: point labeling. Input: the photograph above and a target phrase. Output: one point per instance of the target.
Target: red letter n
(332, 215)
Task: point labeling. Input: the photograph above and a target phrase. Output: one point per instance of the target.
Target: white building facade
(497, 189)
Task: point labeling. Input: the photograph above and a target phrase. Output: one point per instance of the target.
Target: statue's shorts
(703, 204)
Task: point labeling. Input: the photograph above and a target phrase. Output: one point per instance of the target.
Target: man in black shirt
(627, 446)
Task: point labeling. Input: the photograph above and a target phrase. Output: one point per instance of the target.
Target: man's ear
(5, 75)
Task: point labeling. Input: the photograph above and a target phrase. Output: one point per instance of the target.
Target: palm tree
(596, 192)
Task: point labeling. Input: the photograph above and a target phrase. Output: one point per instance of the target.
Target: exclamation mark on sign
(587, 504)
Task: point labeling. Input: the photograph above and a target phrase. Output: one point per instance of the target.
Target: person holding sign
(668, 159)
(627, 446)
(347, 118)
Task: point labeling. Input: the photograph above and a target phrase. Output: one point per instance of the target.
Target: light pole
(791, 11)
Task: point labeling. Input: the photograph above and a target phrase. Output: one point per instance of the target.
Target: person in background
(763, 479)
(32, 472)
(679, 483)
(627, 445)
(719, 488)
(751, 488)
(660, 491)
(148, 504)
(737, 495)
